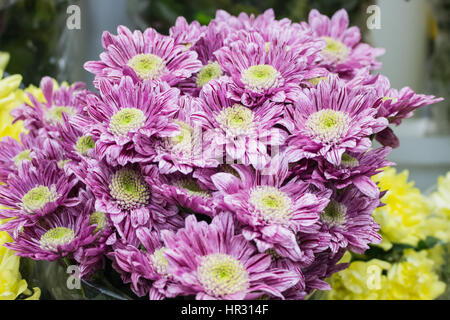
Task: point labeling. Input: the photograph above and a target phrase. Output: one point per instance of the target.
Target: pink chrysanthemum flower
(37, 189)
(144, 56)
(331, 119)
(235, 132)
(187, 192)
(396, 104)
(271, 208)
(187, 34)
(184, 151)
(48, 114)
(323, 267)
(144, 265)
(348, 219)
(211, 262)
(260, 74)
(13, 152)
(91, 257)
(343, 52)
(125, 118)
(125, 195)
(355, 169)
(55, 236)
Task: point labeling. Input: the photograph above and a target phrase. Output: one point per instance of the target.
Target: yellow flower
(360, 281)
(440, 200)
(11, 96)
(412, 278)
(11, 282)
(407, 216)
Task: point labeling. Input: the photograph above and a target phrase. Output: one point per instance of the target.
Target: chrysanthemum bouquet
(228, 161)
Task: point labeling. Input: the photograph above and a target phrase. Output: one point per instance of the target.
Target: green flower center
(159, 261)
(260, 77)
(24, 155)
(335, 51)
(272, 204)
(84, 144)
(392, 99)
(334, 214)
(129, 189)
(236, 120)
(56, 237)
(54, 114)
(328, 125)
(126, 120)
(62, 163)
(99, 219)
(209, 72)
(315, 81)
(348, 161)
(193, 188)
(147, 66)
(38, 197)
(182, 142)
(221, 275)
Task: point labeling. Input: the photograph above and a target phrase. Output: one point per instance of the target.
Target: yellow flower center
(208, 72)
(328, 125)
(221, 275)
(147, 66)
(56, 237)
(260, 77)
(272, 204)
(335, 51)
(126, 120)
(38, 197)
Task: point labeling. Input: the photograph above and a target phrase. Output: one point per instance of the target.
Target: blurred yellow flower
(440, 199)
(407, 216)
(11, 96)
(412, 278)
(11, 282)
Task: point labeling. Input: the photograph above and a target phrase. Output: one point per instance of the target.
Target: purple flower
(13, 153)
(331, 119)
(55, 236)
(211, 262)
(126, 117)
(271, 208)
(343, 53)
(184, 151)
(187, 192)
(260, 73)
(235, 132)
(354, 169)
(91, 257)
(144, 56)
(37, 189)
(145, 268)
(186, 34)
(348, 219)
(48, 114)
(125, 195)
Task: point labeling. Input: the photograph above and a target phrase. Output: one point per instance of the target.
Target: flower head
(36, 190)
(331, 119)
(125, 118)
(211, 262)
(343, 53)
(144, 56)
(55, 236)
(271, 208)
